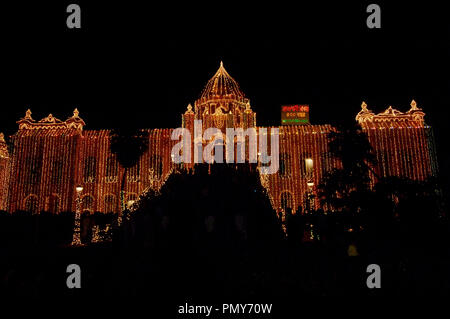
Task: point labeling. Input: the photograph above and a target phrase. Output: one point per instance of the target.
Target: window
(111, 169)
(87, 203)
(285, 165)
(90, 169)
(33, 168)
(110, 203)
(57, 171)
(32, 204)
(133, 173)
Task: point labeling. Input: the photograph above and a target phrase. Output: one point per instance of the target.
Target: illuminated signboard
(295, 114)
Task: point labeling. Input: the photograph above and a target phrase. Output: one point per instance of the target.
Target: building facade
(48, 158)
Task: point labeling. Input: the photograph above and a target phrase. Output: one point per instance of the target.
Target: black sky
(142, 64)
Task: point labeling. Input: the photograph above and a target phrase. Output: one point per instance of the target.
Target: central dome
(221, 84)
(222, 104)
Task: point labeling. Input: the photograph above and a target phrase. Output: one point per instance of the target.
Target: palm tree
(128, 144)
(348, 187)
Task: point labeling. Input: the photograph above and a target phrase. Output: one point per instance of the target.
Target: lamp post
(76, 241)
(309, 195)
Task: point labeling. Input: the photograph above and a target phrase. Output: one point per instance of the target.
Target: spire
(414, 106)
(28, 115)
(189, 109)
(247, 108)
(365, 114)
(364, 106)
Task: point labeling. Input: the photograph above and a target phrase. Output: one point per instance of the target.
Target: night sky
(141, 65)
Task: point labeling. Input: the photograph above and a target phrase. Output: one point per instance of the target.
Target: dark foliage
(129, 145)
(207, 233)
(348, 186)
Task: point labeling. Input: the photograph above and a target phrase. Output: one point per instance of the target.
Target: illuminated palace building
(48, 158)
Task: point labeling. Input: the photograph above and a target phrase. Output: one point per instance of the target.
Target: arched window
(57, 171)
(87, 204)
(111, 169)
(32, 204)
(90, 164)
(285, 165)
(33, 169)
(133, 173)
(110, 203)
(286, 201)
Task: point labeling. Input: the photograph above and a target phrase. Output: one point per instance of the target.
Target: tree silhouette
(128, 144)
(213, 228)
(347, 188)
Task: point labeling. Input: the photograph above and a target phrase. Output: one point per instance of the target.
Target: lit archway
(31, 204)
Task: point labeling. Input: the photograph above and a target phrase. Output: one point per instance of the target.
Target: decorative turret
(189, 109)
(416, 113)
(75, 121)
(28, 115)
(188, 118)
(3, 147)
(365, 115)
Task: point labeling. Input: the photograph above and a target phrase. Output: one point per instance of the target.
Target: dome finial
(189, 109)
(28, 115)
(364, 106)
(221, 64)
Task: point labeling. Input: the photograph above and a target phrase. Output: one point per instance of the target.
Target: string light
(50, 156)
